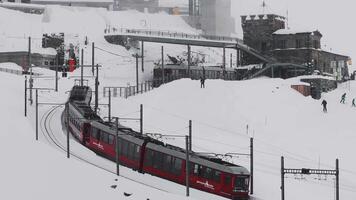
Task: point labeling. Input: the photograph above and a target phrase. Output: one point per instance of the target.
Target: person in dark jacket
(353, 103)
(202, 82)
(324, 103)
(343, 97)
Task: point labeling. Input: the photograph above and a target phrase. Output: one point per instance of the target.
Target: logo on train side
(98, 145)
(206, 184)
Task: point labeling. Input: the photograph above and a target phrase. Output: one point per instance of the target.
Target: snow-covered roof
(294, 31)
(173, 3)
(75, 1)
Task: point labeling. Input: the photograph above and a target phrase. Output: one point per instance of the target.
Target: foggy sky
(333, 18)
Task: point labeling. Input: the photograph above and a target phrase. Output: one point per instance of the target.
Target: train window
(131, 151)
(216, 176)
(149, 157)
(124, 148)
(104, 137)
(227, 180)
(167, 160)
(177, 166)
(157, 162)
(111, 139)
(207, 173)
(96, 133)
(137, 152)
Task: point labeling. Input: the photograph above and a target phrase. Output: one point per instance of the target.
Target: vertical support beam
(187, 165)
(142, 57)
(230, 60)
(57, 65)
(25, 96)
(67, 115)
(36, 114)
(251, 164)
(282, 178)
(224, 58)
(109, 109)
(189, 59)
(30, 68)
(190, 135)
(141, 119)
(97, 89)
(117, 148)
(137, 87)
(162, 61)
(337, 180)
(82, 68)
(92, 57)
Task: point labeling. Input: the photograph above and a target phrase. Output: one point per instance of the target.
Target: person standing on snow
(353, 103)
(324, 103)
(202, 82)
(343, 97)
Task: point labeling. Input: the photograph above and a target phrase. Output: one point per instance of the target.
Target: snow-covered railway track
(50, 136)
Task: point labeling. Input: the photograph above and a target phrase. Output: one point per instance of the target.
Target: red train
(147, 155)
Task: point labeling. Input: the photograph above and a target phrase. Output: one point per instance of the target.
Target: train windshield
(241, 184)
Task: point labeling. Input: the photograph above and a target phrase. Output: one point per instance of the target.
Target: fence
(17, 72)
(128, 91)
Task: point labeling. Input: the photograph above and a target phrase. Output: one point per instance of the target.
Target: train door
(226, 184)
(86, 133)
(95, 138)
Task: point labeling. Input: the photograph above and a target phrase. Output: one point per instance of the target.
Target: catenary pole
(282, 178)
(142, 56)
(117, 147)
(92, 57)
(109, 109)
(187, 165)
(36, 114)
(96, 89)
(25, 96)
(141, 119)
(67, 116)
(162, 57)
(82, 68)
(137, 85)
(251, 164)
(337, 180)
(190, 135)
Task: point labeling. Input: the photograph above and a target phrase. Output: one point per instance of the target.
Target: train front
(240, 183)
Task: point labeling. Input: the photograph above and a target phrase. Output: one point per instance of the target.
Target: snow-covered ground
(225, 115)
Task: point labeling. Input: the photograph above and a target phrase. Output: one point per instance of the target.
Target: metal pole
(56, 84)
(117, 147)
(26, 96)
(141, 119)
(36, 114)
(96, 89)
(81, 68)
(67, 115)
(109, 109)
(337, 180)
(30, 68)
(92, 57)
(282, 178)
(251, 164)
(187, 165)
(189, 60)
(224, 59)
(137, 88)
(142, 56)
(162, 52)
(190, 135)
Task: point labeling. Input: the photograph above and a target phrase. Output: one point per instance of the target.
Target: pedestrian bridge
(114, 35)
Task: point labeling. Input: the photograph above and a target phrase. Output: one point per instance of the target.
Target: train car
(208, 174)
(103, 141)
(81, 94)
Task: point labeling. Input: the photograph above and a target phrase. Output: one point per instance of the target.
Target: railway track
(46, 129)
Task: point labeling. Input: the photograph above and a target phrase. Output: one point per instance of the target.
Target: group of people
(343, 98)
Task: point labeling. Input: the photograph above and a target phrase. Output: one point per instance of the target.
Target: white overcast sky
(334, 18)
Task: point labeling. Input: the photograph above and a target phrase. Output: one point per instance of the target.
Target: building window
(282, 44)
(298, 43)
(316, 44)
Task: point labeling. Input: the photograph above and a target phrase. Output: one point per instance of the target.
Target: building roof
(73, 1)
(296, 31)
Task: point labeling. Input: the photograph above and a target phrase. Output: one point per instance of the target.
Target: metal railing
(158, 33)
(16, 71)
(128, 91)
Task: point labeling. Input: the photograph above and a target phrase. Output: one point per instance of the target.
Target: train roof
(206, 68)
(79, 93)
(85, 110)
(212, 162)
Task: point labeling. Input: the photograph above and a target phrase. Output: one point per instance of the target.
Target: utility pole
(142, 56)
(57, 65)
(97, 89)
(162, 57)
(337, 180)
(109, 109)
(117, 147)
(81, 68)
(92, 57)
(30, 68)
(190, 135)
(141, 119)
(251, 164)
(189, 60)
(67, 115)
(187, 165)
(137, 87)
(36, 114)
(25, 96)
(282, 178)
